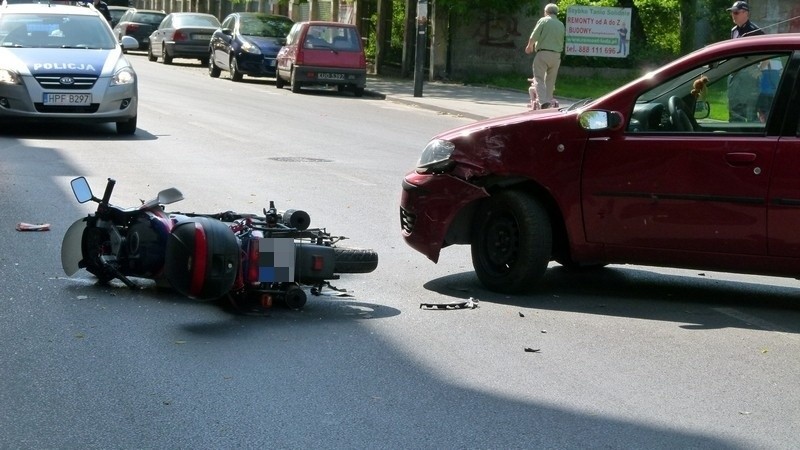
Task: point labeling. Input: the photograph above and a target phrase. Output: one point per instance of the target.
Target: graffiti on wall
(500, 31)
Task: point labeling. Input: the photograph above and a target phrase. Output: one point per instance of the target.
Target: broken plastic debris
(532, 350)
(469, 304)
(24, 226)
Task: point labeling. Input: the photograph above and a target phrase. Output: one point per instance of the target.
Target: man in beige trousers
(547, 40)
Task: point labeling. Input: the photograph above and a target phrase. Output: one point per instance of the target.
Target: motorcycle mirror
(164, 197)
(81, 189)
(170, 195)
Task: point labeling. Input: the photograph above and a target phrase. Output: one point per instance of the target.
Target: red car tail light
(131, 28)
(180, 36)
(317, 263)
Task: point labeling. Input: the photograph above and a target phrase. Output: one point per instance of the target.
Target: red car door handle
(740, 158)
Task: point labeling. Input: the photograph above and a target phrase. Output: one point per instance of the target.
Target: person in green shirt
(547, 41)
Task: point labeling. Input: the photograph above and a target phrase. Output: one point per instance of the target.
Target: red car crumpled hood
(545, 146)
(509, 144)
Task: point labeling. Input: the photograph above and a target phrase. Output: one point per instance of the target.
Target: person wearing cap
(740, 13)
(547, 40)
(743, 85)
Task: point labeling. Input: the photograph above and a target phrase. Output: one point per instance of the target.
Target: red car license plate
(330, 76)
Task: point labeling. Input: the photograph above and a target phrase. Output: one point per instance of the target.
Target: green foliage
(395, 45)
(719, 19)
(396, 36)
(661, 21)
(471, 8)
(655, 29)
(569, 86)
(660, 32)
(660, 25)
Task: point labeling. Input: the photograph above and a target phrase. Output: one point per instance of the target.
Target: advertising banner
(598, 31)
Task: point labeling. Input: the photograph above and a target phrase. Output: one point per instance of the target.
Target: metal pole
(422, 41)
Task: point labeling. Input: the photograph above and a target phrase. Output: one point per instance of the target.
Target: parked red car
(323, 54)
(694, 165)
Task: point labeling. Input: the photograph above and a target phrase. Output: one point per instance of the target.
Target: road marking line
(760, 323)
(353, 179)
(145, 105)
(221, 133)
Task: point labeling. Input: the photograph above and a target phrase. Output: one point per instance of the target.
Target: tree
(468, 8)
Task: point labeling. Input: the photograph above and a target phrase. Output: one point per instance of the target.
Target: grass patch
(578, 87)
(567, 86)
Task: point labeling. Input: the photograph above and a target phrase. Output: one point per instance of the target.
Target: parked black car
(139, 23)
(247, 44)
(116, 13)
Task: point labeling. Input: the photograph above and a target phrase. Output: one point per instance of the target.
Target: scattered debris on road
(469, 304)
(24, 226)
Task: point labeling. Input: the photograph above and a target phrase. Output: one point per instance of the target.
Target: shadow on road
(638, 293)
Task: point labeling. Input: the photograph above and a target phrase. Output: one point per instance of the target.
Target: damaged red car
(694, 165)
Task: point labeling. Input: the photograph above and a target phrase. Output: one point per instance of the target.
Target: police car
(62, 63)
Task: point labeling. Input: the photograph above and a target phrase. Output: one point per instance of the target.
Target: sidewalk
(473, 102)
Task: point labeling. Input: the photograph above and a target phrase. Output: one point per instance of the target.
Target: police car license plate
(330, 76)
(67, 99)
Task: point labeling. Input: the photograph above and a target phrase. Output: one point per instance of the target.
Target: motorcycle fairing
(71, 251)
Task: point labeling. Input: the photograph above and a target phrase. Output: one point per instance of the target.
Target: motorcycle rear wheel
(354, 260)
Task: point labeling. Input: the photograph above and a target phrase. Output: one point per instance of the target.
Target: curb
(426, 106)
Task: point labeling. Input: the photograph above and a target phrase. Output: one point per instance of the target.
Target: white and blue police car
(62, 63)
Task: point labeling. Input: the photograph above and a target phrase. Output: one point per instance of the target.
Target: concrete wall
(490, 45)
(774, 15)
(493, 45)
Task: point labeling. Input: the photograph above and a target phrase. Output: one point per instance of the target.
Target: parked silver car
(182, 35)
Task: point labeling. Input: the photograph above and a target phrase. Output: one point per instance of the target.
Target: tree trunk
(688, 22)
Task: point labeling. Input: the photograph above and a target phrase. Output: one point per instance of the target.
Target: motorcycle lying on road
(250, 260)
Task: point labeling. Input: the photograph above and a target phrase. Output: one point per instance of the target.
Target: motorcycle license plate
(67, 99)
(276, 260)
(330, 76)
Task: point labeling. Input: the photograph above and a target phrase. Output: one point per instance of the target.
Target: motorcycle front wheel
(354, 260)
(92, 245)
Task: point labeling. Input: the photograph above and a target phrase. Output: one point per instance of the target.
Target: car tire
(127, 127)
(358, 91)
(203, 61)
(213, 70)
(150, 55)
(279, 82)
(295, 84)
(165, 58)
(512, 242)
(235, 74)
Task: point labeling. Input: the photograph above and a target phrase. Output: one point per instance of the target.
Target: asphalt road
(624, 357)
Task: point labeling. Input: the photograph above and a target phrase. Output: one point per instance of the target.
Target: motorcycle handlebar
(109, 189)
